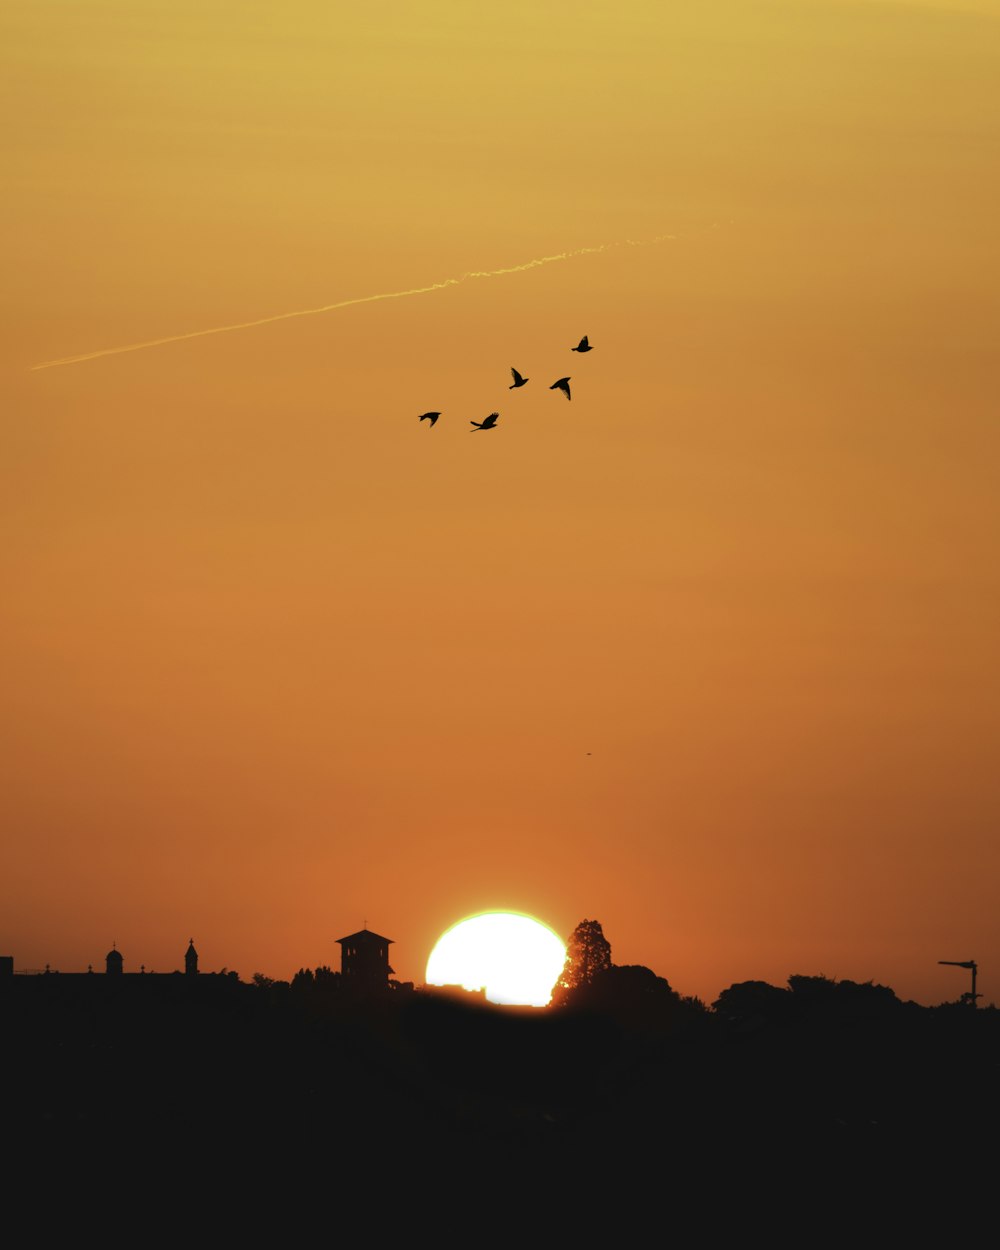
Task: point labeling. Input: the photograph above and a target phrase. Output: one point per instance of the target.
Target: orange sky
(708, 654)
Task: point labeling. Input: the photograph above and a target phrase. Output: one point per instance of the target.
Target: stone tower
(364, 960)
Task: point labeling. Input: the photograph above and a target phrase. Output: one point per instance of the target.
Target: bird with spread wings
(562, 385)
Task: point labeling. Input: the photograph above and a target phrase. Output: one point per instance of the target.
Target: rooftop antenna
(971, 996)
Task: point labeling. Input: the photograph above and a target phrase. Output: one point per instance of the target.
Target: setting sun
(515, 959)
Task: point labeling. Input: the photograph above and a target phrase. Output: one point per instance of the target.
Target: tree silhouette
(752, 1004)
(627, 987)
(588, 954)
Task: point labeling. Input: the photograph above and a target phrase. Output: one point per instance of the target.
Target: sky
(707, 654)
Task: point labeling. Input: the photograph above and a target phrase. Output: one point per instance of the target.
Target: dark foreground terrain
(253, 1104)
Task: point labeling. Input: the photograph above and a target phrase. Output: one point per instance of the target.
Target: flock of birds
(490, 422)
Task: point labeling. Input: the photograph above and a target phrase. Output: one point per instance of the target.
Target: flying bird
(429, 416)
(562, 385)
(488, 424)
(518, 380)
(583, 346)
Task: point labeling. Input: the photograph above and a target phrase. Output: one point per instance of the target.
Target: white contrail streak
(348, 303)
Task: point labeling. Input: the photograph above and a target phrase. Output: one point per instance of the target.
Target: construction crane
(973, 968)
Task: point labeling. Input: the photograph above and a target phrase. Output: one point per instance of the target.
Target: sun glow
(515, 959)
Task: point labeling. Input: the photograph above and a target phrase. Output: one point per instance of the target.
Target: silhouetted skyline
(364, 960)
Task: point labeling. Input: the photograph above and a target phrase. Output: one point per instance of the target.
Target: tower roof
(365, 935)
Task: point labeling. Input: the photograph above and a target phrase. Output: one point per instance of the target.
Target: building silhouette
(364, 960)
(114, 966)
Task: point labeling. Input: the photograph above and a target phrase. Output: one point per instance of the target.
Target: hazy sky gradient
(278, 659)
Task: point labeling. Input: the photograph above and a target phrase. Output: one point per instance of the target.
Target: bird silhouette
(583, 346)
(488, 424)
(429, 416)
(562, 385)
(518, 380)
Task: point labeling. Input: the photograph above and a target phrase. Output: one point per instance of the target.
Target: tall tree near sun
(588, 953)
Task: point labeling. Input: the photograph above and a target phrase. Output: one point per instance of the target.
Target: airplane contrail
(348, 303)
